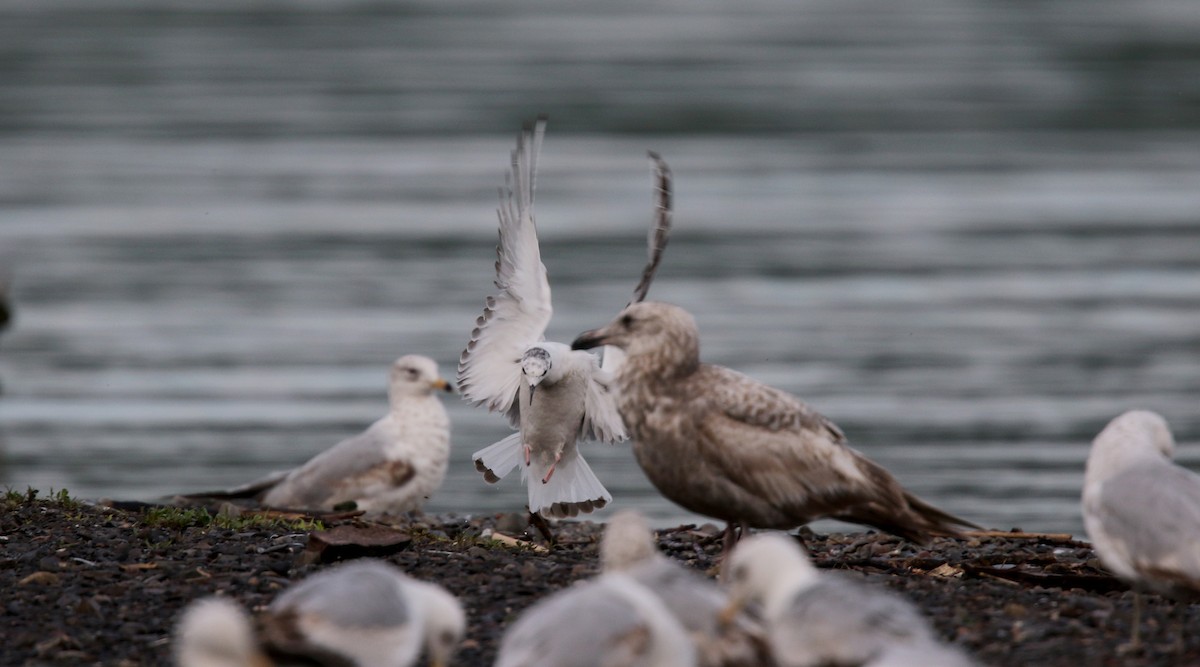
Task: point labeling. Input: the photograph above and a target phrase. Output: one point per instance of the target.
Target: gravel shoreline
(92, 585)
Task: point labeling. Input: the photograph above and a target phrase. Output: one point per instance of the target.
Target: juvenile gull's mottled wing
(661, 230)
(788, 454)
(489, 371)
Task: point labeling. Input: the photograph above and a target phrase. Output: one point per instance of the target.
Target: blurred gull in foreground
(392, 467)
(553, 395)
(1141, 511)
(364, 614)
(628, 547)
(367, 612)
(822, 619)
(724, 445)
(216, 632)
(607, 621)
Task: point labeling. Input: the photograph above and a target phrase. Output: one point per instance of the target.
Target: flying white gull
(697, 603)
(553, 395)
(609, 620)
(364, 614)
(392, 467)
(1141, 511)
(724, 445)
(819, 619)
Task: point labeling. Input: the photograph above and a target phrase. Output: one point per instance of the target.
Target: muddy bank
(86, 585)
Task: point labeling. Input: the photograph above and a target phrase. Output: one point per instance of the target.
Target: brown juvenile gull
(603, 622)
(819, 619)
(553, 395)
(724, 445)
(697, 603)
(392, 467)
(1141, 511)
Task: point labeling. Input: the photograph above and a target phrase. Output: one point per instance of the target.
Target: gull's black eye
(627, 321)
(412, 373)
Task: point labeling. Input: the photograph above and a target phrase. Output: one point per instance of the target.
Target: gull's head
(415, 375)
(627, 542)
(1132, 436)
(445, 622)
(649, 328)
(536, 367)
(766, 569)
(216, 632)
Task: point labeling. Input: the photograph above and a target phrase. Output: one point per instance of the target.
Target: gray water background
(967, 231)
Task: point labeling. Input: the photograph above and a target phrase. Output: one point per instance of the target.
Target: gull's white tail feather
(571, 490)
(500, 458)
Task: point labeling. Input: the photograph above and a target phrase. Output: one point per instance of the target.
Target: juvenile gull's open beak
(588, 339)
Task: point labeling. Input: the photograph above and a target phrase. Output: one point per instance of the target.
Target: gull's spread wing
(489, 371)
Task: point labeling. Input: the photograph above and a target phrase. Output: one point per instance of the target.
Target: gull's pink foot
(528, 453)
(557, 458)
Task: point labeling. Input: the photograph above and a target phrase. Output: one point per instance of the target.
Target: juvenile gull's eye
(627, 321)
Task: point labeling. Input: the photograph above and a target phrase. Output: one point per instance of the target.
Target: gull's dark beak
(532, 388)
(588, 339)
(443, 384)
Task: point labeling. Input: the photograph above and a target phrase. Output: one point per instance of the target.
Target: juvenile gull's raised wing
(489, 371)
(656, 244)
(660, 231)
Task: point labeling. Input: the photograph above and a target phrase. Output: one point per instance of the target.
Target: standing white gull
(555, 396)
(724, 445)
(1141, 511)
(819, 619)
(392, 467)
(607, 621)
(697, 603)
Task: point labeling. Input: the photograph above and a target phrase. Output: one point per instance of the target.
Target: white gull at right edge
(1142, 511)
(555, 396)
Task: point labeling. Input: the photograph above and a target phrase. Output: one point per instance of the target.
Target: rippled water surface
(968, 232)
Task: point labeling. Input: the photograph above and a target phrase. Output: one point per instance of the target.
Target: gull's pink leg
(528, 453)
(557, 458)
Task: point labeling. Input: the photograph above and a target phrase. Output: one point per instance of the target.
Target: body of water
(968, 232)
